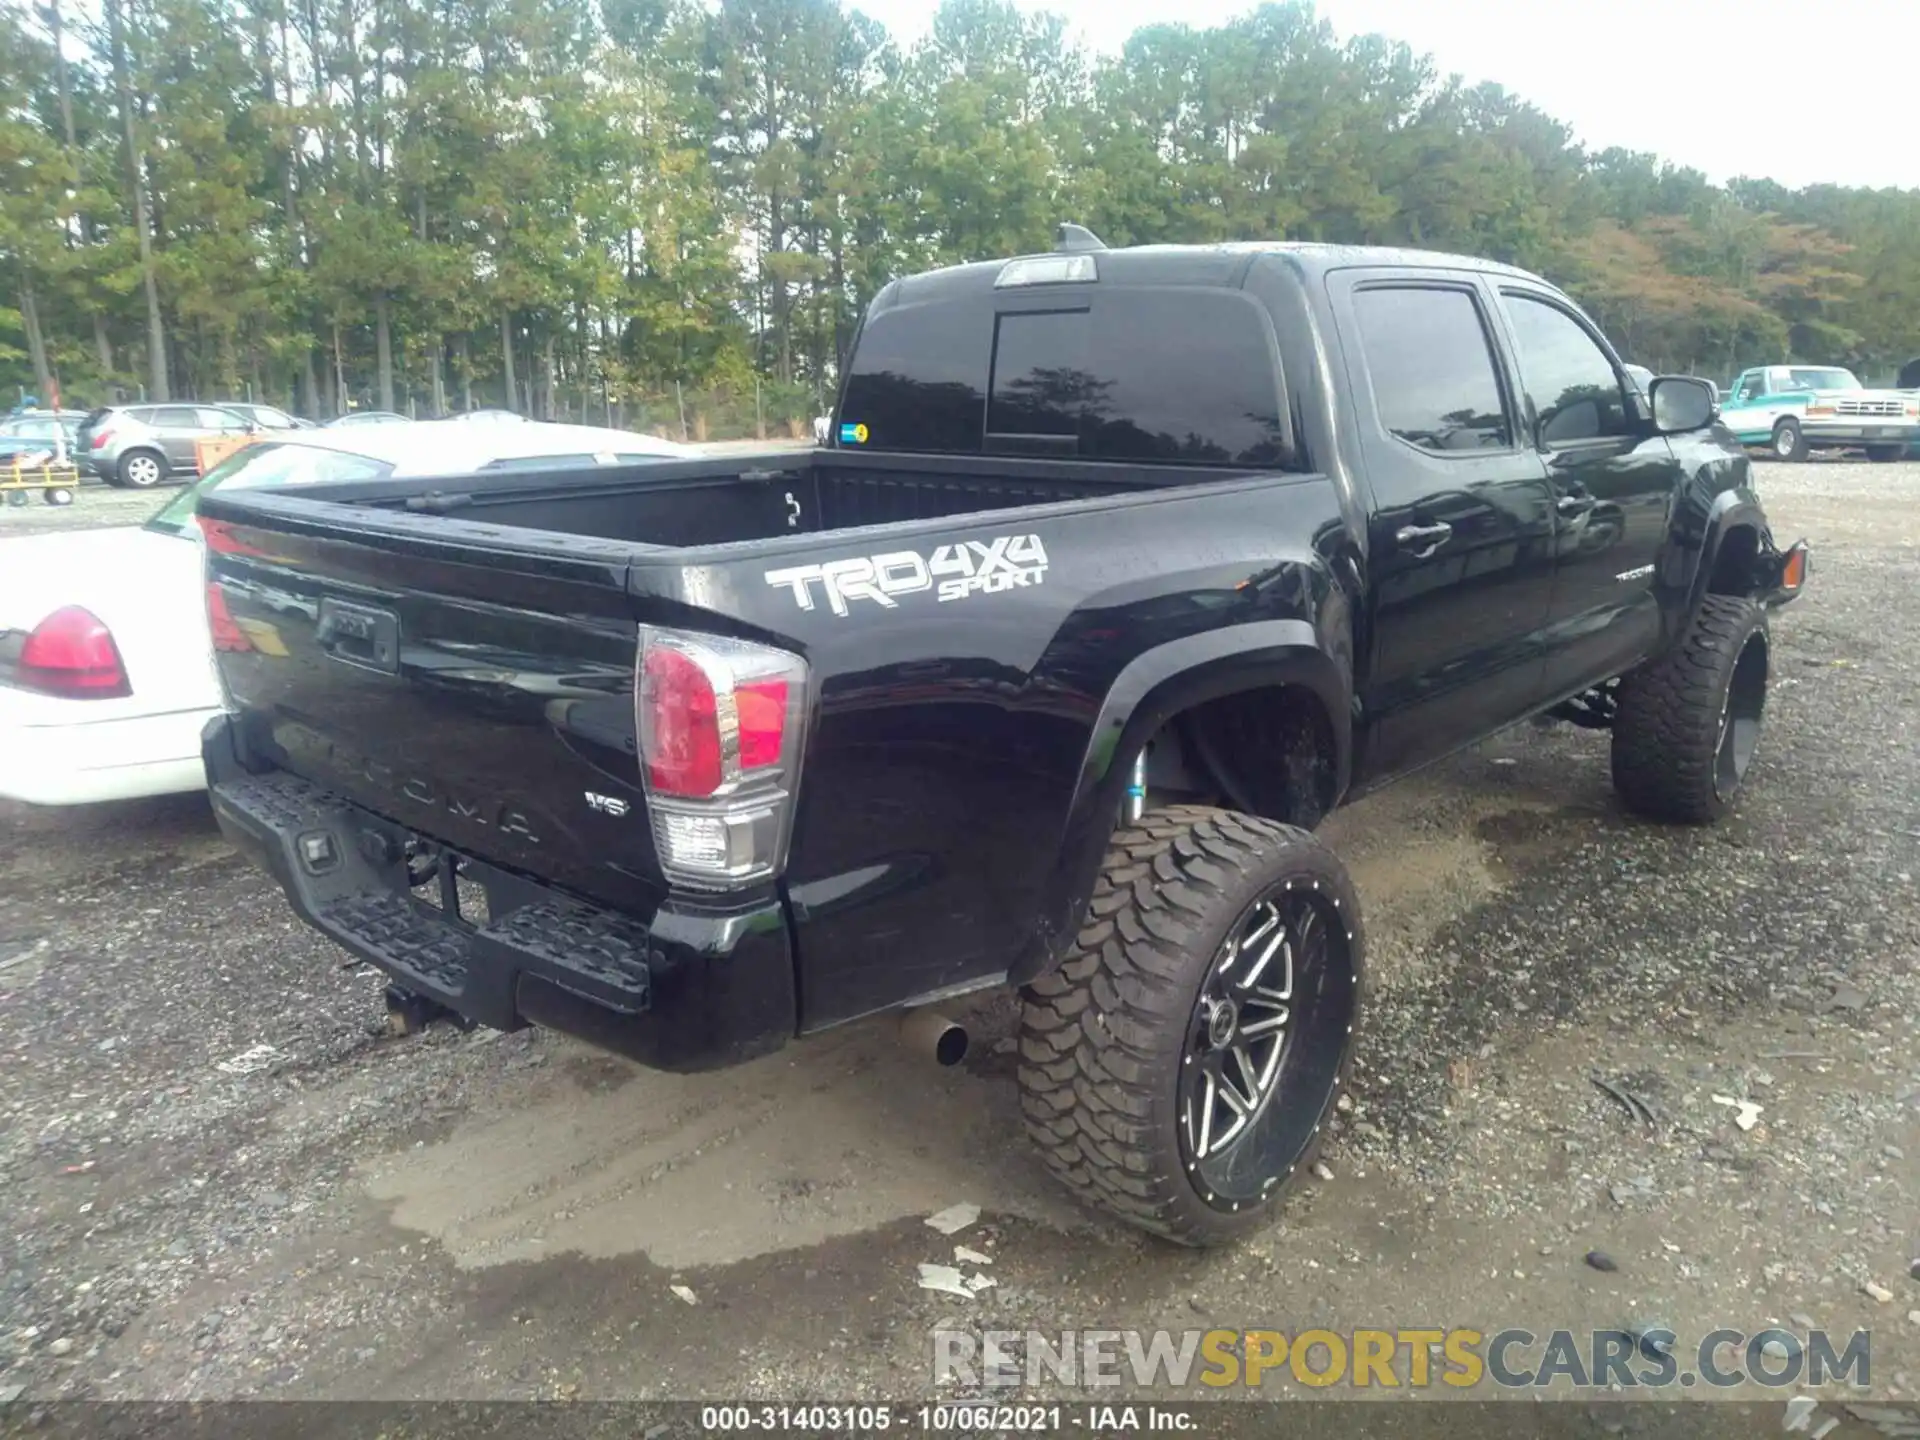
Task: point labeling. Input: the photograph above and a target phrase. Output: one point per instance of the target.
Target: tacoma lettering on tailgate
(953, 572)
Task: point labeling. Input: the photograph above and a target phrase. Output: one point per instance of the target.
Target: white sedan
(106, 661)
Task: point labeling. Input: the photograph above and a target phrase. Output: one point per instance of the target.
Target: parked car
(266, 417)
(140, 446)
(364, 417)
(106, 672)
(1128, 566)
(1794, 410)
(1909, 379)
(31, 433)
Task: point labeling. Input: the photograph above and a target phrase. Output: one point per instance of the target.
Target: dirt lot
(221, 1179)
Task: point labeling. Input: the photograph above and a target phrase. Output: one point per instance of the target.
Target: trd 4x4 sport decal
(971, 567)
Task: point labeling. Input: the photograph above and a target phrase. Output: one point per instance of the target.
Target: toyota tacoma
(1120, 569)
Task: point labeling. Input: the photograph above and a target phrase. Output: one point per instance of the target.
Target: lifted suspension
(1591, 709)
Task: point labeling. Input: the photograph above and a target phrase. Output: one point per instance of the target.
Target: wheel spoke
(1276, 994)
(1251, 979)
(1244, 940)
(1246, 1099)
(1309, 924)
(1227, 1135)
(1208, 1095)
(1313, 941)
(1254, 1029)
(1272, 923)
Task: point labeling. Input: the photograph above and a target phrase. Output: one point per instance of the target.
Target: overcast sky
(1802, 91)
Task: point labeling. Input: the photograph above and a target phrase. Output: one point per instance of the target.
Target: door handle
(1422, 540)
(1571, 505)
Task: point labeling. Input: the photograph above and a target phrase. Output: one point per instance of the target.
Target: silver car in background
(141, 446)
(266, 417)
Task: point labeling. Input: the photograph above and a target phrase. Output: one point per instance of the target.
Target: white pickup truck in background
(1794, 410)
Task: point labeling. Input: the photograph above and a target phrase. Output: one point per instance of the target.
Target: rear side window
(1431, 365)
(172, 417)
(1169, 377)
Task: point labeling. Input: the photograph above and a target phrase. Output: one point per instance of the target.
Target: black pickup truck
(1121, 570)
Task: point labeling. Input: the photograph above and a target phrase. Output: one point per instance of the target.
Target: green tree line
(672, 214)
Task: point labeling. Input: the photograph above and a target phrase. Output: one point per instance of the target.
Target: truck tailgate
(481, 696)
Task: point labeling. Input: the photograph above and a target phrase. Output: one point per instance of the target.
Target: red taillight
(720, 725)
(680, 725)
(227, 636)
(72, 654)
(762, 709)
(100, 439)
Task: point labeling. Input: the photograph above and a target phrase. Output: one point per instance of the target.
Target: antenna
(1076, 238)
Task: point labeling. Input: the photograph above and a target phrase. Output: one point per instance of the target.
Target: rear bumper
(688, 989)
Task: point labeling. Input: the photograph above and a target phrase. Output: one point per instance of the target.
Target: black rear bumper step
(427, 954)
(698, 984)
(345, 872)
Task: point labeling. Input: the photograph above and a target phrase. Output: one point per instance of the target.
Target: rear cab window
(1170, 375)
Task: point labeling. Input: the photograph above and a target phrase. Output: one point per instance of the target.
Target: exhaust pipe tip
(934, 1034)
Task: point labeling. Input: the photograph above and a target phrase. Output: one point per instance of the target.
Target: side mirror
(1681, 403)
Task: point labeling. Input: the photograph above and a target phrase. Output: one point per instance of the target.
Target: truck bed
(758, 496)
(457, 655)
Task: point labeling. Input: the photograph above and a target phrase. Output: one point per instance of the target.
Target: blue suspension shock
(1137, 788)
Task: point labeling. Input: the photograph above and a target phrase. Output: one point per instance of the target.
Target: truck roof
(1216, 263)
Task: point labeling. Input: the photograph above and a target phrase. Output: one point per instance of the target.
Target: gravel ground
(222, 1180)
(94, 505)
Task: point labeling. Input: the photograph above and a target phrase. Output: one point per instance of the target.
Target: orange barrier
(211, 451)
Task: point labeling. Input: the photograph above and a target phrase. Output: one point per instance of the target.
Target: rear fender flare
(1154, 687)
